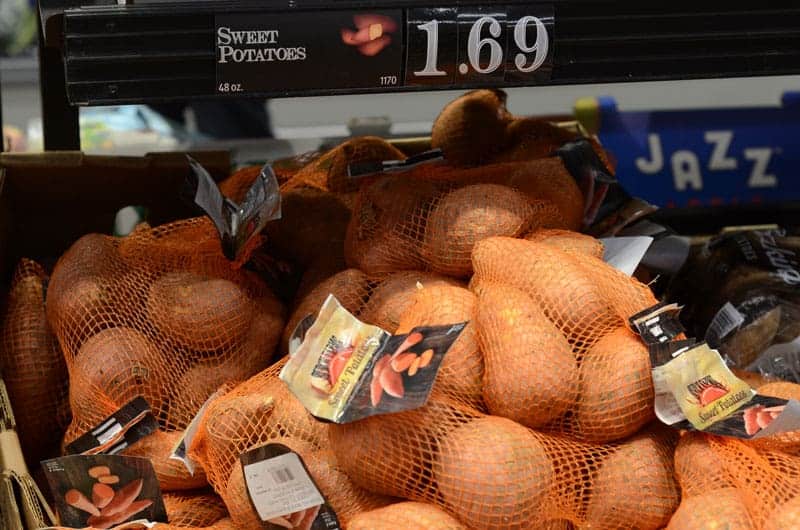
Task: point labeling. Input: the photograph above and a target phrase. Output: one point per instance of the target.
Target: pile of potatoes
(541, 415)
(163, 315)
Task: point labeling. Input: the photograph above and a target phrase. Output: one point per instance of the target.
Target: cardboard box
(49, 200)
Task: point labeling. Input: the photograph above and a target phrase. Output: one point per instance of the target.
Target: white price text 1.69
(230, 87)
(476, 43)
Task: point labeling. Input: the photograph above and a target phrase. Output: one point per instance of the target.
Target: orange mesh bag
(466, 215)
(194, 510)
(413, 222)
(587, 303)
(387, 227)
(259, 411)
(329, 172)
(162, 317)
(741, 483)
(549, 180)
(492, 473)
(568, 241)
(256, 412)
(33, 366)
(406, 515)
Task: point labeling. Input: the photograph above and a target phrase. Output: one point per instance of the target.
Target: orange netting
(192, 510)
(556, 320)
(329, 172)
(406, 515)
(260, 411)
(422, 221)
(159, 314)
(492, 473)
(568, 240)
(33, 366)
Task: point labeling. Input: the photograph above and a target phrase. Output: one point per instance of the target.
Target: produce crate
(47, 201)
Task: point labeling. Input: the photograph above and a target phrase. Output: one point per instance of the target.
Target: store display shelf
(151, 51)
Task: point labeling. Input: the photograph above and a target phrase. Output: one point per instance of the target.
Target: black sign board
(373, 49)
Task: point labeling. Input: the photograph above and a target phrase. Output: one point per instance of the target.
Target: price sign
(498, 45)
(308, 51)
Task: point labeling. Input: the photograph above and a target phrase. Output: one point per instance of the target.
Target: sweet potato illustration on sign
(371, 34)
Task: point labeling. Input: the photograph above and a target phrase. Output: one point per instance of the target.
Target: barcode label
(280, 486)
(281, 476)
(725, 321)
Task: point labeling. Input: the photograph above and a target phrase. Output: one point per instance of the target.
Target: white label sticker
(726, 320)
(280, 486)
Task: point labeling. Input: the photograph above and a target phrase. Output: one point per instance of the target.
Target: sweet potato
(548, 179)
(392, 454)
(568, 240)
(346, 498)
(616, 388)
(388, 224)
(194, 509)
(258, 411)
(634, 487)
(172, 474)
(471, 129)
(754, 379)
(467, 215)
(697, 465)
(406, 515)
(785, 517)
(350, 287)
(554, 279)
(198, 312)
(718, 508)
(532, 138)
(493, 473)
(119, 364)
(531, 373)
(82, 293)
(33, 365)
(461, 370)
(394, 295)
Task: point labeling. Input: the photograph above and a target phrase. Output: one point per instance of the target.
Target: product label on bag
(122, 429)
(238, 225)
(345, 370)
(103, 491)
(695, 390)
(282, 491)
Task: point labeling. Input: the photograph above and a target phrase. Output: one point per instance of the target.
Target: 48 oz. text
(230, 87)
